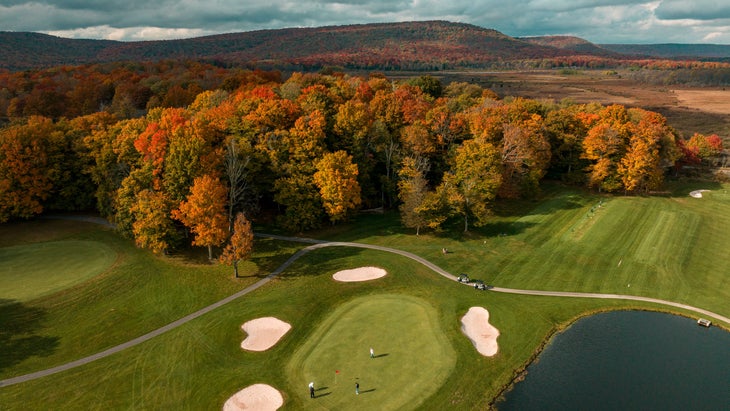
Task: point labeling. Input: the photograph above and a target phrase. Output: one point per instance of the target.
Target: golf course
(72, 289)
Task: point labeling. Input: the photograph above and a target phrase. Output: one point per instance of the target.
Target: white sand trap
(263, 333)
(475, 324)
(359, 274)
(259, 397)
(697, 193)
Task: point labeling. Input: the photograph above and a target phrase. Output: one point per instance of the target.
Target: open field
(712, 101)
(689, 110)
(671, 247)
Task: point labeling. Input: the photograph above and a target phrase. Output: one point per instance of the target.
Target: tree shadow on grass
(324, 260)
(18, 341)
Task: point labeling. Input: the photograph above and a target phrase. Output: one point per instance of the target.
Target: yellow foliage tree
(336, 178)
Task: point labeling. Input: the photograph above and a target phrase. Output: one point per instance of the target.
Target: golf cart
(463, 278)
(479, 285)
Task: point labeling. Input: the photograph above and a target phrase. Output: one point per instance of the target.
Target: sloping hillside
(575, 45)
(21, 50)
(434, 44)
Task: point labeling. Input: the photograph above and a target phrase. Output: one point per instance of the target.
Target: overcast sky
(598, 21)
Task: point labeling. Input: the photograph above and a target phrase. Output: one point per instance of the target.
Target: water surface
(629, 360)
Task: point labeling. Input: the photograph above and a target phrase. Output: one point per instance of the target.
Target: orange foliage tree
(25, 179)
(240, 245)
(204, 212)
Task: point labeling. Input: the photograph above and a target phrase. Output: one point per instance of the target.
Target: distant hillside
(430, 45)
(673, 51)
(21, 50)
(425, 45)
(576, 45)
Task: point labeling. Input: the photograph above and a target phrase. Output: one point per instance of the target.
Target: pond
(629, 360)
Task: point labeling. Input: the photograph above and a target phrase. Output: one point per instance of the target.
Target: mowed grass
(200, 365)
(669, 247)
(404, 330)
(30, 271)
(139, 293)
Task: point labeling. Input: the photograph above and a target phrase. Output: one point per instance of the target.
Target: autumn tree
(294, 157)
(204, 212)
(237, 172)
(336, 178)
(25, 178)
(704, 147)
(642, 167)
(152, 227)
(472, 182)
(189, 154)
(412, 191)
(639, 168)
(153, 142)
(240, 245)
(604, 147)
(565, 133)
(525, 153)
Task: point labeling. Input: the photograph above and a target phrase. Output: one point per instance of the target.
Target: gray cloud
(599, 21)
(694, 10)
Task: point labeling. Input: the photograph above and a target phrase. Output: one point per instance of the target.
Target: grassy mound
(412, 357)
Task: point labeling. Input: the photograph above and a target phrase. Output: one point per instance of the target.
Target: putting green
(412, 357)
(32, 270)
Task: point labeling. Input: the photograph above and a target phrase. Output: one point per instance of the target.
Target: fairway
(412, 357)
(33, 270)
(672, 247)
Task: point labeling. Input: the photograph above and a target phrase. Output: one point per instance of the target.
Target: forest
(180, 155)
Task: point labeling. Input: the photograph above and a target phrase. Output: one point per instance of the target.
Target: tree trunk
(235, 267)
(210, 252)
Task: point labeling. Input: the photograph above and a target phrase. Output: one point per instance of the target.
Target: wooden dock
(703, 322)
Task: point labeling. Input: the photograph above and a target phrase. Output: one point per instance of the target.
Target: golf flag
(337, 371)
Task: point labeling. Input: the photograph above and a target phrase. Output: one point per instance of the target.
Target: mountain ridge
(420, 45)
(434, 43)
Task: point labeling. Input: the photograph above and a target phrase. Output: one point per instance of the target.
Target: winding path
(317, 244)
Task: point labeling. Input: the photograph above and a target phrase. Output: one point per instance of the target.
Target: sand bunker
(259, 397)
(697, 193)
(475, 324)
(263, 333)
(359, 274)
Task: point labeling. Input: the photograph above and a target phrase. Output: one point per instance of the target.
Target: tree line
(316, 148)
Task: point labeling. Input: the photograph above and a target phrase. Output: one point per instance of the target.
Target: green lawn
(671, 247)
(30, 271)
(412, 361)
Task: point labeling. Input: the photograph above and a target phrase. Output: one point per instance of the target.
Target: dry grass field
(688, 110)
(712, 101)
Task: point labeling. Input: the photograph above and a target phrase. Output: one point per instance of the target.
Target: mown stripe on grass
(412, 360)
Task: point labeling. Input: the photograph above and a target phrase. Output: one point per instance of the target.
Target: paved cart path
(317, 244)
